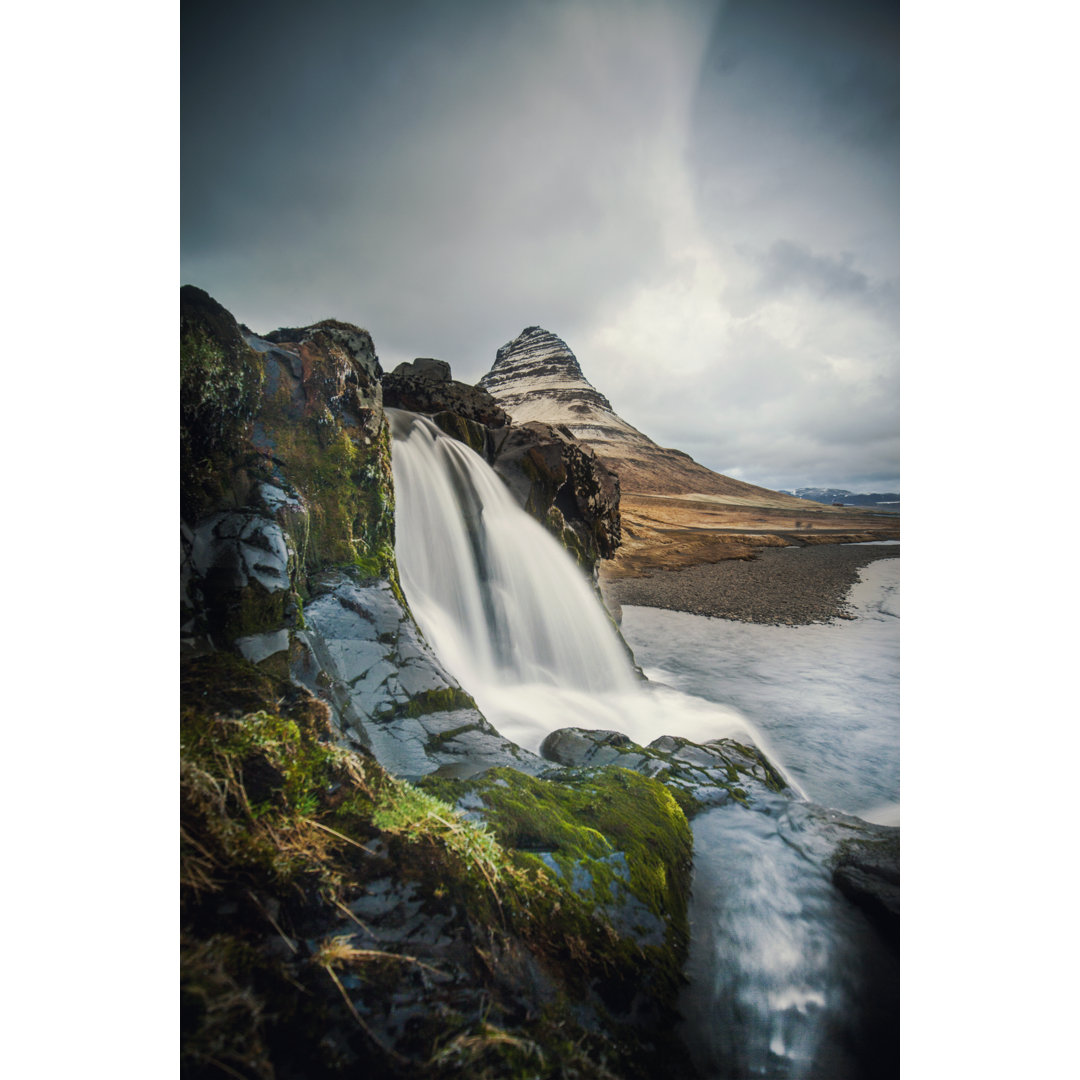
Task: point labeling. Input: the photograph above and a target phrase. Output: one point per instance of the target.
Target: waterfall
(509, 612)
(494, 592)
(786, 979)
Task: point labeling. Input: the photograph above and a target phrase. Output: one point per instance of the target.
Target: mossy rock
(622, 844)
(220, 381)
(293, 434)
(337, 922)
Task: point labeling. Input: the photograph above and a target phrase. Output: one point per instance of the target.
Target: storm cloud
(700, 198)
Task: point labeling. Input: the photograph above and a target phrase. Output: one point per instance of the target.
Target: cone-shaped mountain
(537, 377)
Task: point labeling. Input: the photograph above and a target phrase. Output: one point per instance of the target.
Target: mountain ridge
(888, 499)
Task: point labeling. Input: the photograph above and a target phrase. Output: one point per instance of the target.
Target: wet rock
(603, 834)
(866, 869)
(576, 746)
(362, 653)
(698, 774)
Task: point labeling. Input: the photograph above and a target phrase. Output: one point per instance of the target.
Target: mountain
(889, 500)
(536, 377)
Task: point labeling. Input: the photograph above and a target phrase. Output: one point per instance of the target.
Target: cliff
(340, 913)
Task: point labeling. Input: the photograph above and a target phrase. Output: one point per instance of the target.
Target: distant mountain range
(889, 500)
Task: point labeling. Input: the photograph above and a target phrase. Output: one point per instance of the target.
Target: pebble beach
(790, 586)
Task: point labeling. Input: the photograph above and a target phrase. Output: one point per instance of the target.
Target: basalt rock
(563, 484)
(866, 869)
(698, 775)
(285, 469)
(425, 386)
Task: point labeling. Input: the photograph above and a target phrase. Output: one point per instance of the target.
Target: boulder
(426, 368)
(866, 869)
(698, 775)
(425, 386)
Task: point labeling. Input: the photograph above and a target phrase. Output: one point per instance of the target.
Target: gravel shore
(791, 586)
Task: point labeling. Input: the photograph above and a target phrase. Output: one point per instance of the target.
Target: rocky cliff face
(565, 486)
(287, 536)
(335, 919)
(537, 378)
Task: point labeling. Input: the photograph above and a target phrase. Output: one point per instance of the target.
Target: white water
(786, 979)
(511, 615)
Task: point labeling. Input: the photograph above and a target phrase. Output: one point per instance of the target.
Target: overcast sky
(701, 198)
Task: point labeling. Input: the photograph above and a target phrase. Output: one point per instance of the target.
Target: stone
(425, 386)
(866, 869)
(424, 367)
(574, 747)
(364, 656)
(699, 775)
(563, 484)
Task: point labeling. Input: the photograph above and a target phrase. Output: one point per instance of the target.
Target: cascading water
(494, 593)
(777, 981)
(511, 615)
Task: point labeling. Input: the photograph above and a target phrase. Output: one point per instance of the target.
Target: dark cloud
(693, 194)
(787, 267)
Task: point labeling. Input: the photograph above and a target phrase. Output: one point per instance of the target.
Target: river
(786, 980)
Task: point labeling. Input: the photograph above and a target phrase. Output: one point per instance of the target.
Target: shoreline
(788, 586)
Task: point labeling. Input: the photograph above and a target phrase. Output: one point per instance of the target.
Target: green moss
(220, 382)
(282, 831)
(446, 699)
(345, 484)
(437, 742)
(469, 432)
(580, 825)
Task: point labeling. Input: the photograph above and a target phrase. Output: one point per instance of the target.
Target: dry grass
(672, 532)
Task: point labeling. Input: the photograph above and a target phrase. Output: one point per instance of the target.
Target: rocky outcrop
(699, 775)
(425, 386)
(563, 484)
(285, 469)
(389, 691)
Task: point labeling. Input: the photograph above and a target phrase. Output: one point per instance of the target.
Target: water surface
(827, 696)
